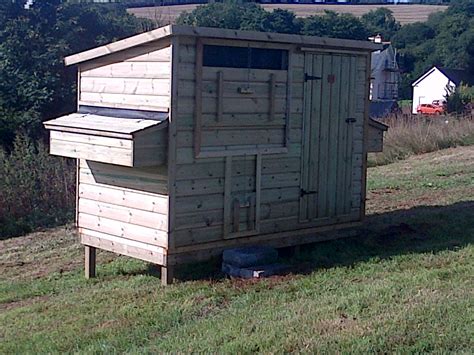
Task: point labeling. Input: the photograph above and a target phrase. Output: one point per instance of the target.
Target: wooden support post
(167, 274)
(236, 215)
(272, 97)
(220, 95)
(90, 261)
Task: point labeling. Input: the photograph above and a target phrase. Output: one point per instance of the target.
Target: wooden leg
(90, 261)
(167, 275)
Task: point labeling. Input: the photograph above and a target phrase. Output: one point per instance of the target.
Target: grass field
(403, 13)
(404, 285)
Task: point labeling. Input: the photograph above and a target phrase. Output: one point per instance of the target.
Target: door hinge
(304, 192)
(311, 77)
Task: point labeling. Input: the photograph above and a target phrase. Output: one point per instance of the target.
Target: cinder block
(250, 256)
(254, 271)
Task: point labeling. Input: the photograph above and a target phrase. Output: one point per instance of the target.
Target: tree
(381, 21)
(335, 25)
(229, 14)
(34, 84)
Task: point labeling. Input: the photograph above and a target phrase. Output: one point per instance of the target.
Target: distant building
(437, 83)
(385, 77)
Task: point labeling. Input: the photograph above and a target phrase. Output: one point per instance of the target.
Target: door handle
(351, 120)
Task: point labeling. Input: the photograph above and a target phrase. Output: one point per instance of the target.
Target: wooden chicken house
(191, 140)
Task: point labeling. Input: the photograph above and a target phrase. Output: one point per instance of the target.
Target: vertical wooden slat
(316, 104)
(306, 129)
(271, 114)
(289, 98)
(172, 133)
(198, 98)
(251, 214)
(220, 95)
(365, 135)
(324, 138)
(258, 190)
(344, 114)
(227, 195)
(350, 130)
(333, 135)
(235, 215)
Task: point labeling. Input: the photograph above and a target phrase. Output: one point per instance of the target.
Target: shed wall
(123, 209)
(200, 192)
(138, 78)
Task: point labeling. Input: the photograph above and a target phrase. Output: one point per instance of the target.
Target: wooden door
(328, 130)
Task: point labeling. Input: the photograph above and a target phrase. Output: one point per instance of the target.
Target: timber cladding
(257, 138)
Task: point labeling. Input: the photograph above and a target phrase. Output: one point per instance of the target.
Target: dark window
(245, 57)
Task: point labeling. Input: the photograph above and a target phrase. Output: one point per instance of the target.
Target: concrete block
(250, 256)
(254, 272)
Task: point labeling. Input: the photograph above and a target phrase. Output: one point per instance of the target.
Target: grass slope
(404, 285)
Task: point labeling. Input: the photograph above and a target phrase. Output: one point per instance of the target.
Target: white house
(436, 84)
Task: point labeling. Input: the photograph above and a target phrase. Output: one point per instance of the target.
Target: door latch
(311, 77)
(350, 120)
(304, 192)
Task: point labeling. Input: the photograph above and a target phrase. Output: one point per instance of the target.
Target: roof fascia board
(421, 78)
(178, 30)
(117, 46)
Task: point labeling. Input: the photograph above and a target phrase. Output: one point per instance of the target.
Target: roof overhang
(377, 124)
(208, 32)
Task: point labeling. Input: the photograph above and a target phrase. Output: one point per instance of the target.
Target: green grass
(403, 285)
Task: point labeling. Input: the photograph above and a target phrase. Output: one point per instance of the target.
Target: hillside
(403, 13)
(403, 285)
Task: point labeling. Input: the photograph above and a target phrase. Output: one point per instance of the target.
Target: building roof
(178, 30)
(454, 75)
(458, 75)
(380, 58)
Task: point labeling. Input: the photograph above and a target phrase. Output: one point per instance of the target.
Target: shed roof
(179, 30)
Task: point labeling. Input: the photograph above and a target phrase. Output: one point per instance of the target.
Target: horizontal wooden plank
(129, 86)
(100, 153)
(134, 249)
(241, 183)
(125, 230)
(195, 236)
(228, 137)
(239, 167)
(124, 214)
(209, 202)
(238, 106)
(186, 155)
(125, 106)
(232, 89)
(187, 72)
(124, 197)
(215, 217)
(92, 139)
(155, 70)
(150, 180)
(126, 100)
(243, 120)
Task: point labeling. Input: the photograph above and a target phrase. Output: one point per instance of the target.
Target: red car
(430, 109)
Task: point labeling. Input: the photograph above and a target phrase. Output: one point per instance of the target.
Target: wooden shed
(191, 140)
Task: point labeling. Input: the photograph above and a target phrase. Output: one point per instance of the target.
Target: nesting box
(191, 140)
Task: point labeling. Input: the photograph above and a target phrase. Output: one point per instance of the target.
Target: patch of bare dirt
(22, 303)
